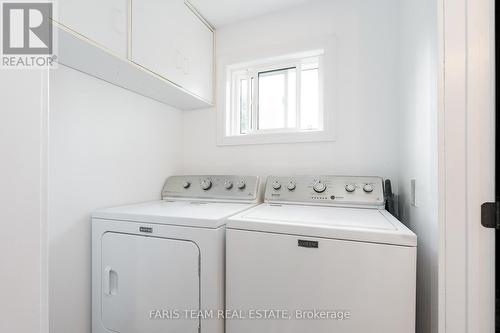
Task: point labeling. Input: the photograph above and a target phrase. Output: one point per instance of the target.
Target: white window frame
(231, 134)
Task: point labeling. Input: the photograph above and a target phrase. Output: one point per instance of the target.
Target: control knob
(276, 185)
(368, 188)
(206, 184)
(291, 185)
(350, 188)
(319, 187)
(186, 184)
(228, 184)
(241, 184)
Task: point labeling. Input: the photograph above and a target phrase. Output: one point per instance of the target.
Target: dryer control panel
(346, 191)
(212, 187)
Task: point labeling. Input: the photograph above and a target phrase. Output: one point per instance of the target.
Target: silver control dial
(319, 186)
(368, 188)
(228, 184)
(350, 188)
(291, 185)
(186, 184)
(241, 184)
(276, 185)
(206, 184)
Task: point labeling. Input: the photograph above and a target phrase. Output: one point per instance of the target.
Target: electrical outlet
(413, 193)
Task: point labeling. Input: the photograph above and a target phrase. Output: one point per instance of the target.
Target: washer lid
(200, 214)
(358, 224)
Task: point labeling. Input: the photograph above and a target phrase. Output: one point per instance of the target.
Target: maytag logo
(146, 229)
(27, 34)
(308, 243)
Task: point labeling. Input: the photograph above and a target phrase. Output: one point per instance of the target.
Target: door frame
(466, 159)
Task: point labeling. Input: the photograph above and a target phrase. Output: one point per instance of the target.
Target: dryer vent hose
(389, 197)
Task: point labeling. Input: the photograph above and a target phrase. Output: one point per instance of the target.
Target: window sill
(270, 138)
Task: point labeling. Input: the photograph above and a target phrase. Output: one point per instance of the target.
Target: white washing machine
(320, 255)
(158, 266)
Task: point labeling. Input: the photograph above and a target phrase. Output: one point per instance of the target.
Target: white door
(142, 275)
(466, 166)
(370, 286)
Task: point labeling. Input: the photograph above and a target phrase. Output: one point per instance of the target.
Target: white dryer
(320, 255)
(159, 266)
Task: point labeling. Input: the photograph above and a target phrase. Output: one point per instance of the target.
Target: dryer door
(147, 282)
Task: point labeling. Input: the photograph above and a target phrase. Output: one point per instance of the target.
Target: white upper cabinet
(105, 22)
(168, 38)
(162, 49)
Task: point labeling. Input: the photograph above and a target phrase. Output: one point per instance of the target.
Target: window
(276, 99)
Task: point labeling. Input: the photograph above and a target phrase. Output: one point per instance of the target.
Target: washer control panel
(212, 187)
(349, 191)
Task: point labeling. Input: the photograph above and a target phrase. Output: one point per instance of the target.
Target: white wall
(418, 70)
(366, 106)
(107, 147)
(23, 252)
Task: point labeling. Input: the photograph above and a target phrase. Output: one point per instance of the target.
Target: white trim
(441, 174)
(281, 137)
(199, 15)
(44, 180)
(298, 94)
(454, 208)
(129, 30)
(269, 62)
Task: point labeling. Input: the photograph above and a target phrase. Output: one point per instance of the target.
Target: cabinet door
(198, 56)
(104, 22)
(142, 275)
(170, 40)
(156, 42)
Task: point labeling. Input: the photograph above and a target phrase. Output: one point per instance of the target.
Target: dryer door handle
(110, 283)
